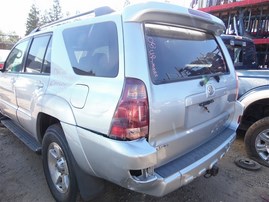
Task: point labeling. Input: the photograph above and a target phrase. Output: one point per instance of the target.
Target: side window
(47, 60)
(14, 62)
(36, 54)
(238, 55)
(92, 51)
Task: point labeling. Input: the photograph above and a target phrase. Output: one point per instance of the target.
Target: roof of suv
(153, 11)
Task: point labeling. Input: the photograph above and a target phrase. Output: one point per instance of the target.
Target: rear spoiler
(165, 13)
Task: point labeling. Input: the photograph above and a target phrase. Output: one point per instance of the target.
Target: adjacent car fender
(254, 95)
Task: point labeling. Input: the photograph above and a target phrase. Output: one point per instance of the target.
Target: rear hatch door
(193, 91)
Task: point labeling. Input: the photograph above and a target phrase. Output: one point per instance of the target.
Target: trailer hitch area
(212, 172)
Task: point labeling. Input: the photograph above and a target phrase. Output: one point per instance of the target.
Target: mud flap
(89, 186)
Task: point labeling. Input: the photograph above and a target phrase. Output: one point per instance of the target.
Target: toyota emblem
(210, 90)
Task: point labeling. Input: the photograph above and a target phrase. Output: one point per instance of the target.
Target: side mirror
(19, 54)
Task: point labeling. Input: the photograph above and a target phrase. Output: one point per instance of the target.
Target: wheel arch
(54, 110)
(256, 107)
(43, 122)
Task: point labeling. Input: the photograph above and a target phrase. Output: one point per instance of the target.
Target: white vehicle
(145, 98)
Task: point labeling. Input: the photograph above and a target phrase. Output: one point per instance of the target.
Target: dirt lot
(22, 179)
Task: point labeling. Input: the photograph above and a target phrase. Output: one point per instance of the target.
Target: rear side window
(93, 49)
(36, 54)
(176, 54)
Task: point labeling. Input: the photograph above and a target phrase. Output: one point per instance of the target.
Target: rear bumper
(183, 170)
(132, 164)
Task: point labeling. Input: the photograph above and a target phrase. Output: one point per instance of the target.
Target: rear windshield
(176, 54)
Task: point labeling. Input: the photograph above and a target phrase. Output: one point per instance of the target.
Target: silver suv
(145, 98)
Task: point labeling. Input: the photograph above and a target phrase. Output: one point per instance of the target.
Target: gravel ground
(22, 179)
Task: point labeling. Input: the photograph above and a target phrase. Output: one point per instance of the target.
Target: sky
(14, 13)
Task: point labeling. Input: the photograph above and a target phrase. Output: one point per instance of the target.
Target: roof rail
(98, 12)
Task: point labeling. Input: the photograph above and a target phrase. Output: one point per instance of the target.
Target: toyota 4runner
(145, 98)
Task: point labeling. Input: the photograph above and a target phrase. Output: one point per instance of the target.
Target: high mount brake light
(131, 117)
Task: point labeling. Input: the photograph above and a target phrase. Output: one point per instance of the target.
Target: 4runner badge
(210, 90)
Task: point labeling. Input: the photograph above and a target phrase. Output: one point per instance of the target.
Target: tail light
(131, 117)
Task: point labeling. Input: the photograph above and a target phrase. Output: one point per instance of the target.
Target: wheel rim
(262, 145)
(58, 168)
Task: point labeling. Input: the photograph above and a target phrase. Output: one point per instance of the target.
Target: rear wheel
(257, 141)
(57, 165)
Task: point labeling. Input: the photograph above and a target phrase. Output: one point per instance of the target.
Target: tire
(257, 141)
(57, 165)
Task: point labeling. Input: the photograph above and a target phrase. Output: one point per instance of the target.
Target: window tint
(176, 54)
(14, 62)
(93, 49)
(36, 54)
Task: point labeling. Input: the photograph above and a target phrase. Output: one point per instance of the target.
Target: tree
(7, 40)
(55, 13)
(33, 19)
(45, 18)
(2, 37)
(126, 3)
(12, 38)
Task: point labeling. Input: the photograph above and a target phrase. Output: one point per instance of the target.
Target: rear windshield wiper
(206, 79)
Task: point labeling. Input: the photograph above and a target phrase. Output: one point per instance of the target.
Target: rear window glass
(93, 49)
(176, 54)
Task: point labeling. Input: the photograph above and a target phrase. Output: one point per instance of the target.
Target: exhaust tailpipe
(212, 172)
